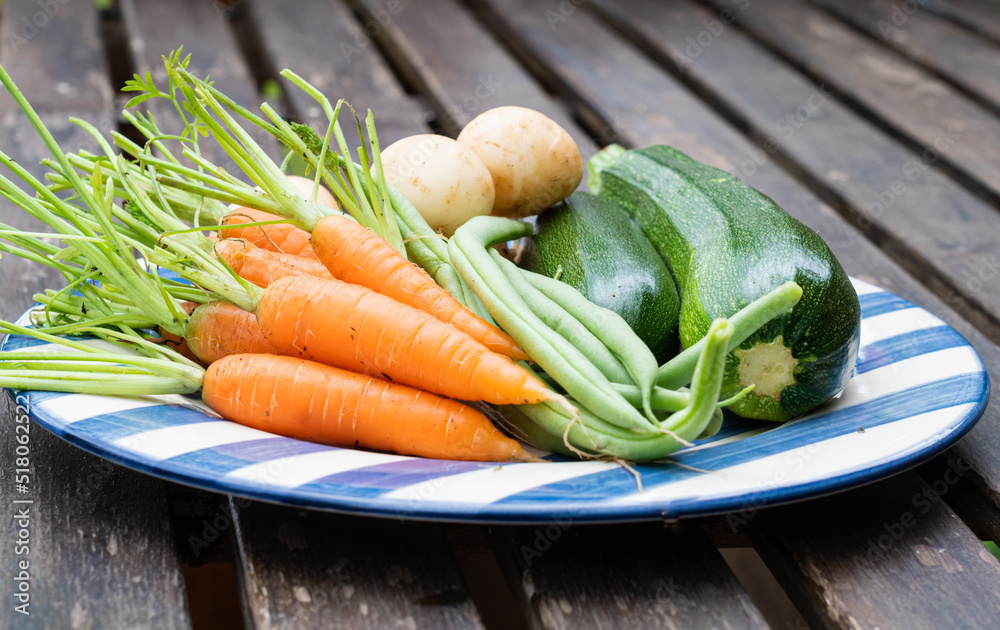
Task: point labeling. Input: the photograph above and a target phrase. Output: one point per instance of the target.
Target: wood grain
(331, 50)
(101, 551)
(448, 55)
(884, 85)
(890, 555)
(975, 15)
(305, 569)
(969, 62)
(572, 577)
(154, 31)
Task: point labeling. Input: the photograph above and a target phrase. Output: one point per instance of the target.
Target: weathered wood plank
(304, 569)
(970, 62)
(578, 56)
(329, 48)
(974, 504)
(154, 30)
(573, 577)
(157, 28)
(883, 84)
(890, 555)
(976, 15)
(100, 550)
(442, 49)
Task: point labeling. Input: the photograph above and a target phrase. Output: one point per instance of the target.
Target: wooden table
(873, 121)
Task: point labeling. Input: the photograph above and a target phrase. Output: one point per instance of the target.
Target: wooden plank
(100, 551)
(885, 556)
(306, 569)
(884, 85)
(974, 504)
(413, 39)
(447, 54)
(979, 16)
(576, 57)
(157, 28)
(329, 48)
(519, 85)
(931, 225)
(970, 62)
(574, 577)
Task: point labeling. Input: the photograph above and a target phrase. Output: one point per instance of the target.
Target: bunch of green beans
(592, 355)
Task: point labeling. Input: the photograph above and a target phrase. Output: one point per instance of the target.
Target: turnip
(533, 161)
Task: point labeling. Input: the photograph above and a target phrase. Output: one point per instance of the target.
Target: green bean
(609, 327)
(520, 425)
(563, 323)
(713, 425)
(678, 371)
(591, 435)
(706, 383)
(663, 399)
(467, 249)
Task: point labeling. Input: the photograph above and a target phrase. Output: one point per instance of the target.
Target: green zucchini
(595, 247)
(728, 244)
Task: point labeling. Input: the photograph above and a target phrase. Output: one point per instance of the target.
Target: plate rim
(514, 513)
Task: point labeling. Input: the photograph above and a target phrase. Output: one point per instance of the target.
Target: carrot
(262, 266)
(310, 401)
(179, 345)
(356, 255)
(176, 342)
(218, 329)
(355, 328)
(280, 237)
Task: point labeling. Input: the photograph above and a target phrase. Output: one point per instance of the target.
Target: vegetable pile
(366, 306)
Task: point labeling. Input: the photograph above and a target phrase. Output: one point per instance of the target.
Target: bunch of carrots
(339, 318)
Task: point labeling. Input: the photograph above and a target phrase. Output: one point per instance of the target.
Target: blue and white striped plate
(918, 388)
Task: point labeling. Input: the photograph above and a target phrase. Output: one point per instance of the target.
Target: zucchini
(593, 246)
(728, 244)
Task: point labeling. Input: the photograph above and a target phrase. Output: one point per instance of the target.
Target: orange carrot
(354, 254)
(262, 266)
(355, 328)
(218, 329)
(310, 401)
(280, 237)
(179, 345)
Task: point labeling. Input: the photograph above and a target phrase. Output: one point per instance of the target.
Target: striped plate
(918, 388)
